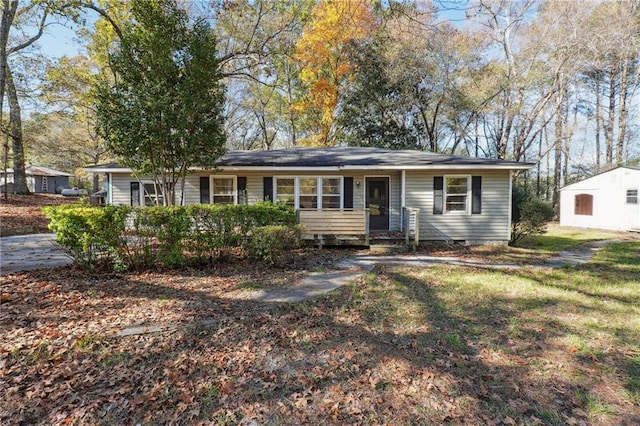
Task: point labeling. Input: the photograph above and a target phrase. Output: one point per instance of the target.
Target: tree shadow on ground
(393, 347)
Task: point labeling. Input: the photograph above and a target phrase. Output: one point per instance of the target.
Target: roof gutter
(523, 166)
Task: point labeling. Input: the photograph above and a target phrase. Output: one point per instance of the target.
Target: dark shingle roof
(350, 156)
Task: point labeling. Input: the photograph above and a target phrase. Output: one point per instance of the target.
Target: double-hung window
(308, 197)
(331, 193)
(286, 191)
(309, 192)
(456, 194)
(632, 196)
(223, 190)
(152, 195)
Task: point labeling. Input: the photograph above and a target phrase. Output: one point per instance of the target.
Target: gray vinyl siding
(121, 189)
(491, 225)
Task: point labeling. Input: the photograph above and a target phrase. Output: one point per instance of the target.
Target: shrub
(218, 228)
(160, 236)
(529, 216)
(267, 243)
(90, 235)
(171, 236)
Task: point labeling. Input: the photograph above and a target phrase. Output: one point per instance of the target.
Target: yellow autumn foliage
(321, 52)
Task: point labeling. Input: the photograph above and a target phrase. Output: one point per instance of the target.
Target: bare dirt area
(22, 214)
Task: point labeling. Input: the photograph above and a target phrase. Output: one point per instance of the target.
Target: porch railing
(319, 223)
(411, 226)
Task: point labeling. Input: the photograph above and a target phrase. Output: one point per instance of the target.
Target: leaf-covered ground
(398, 346)
(22, 214)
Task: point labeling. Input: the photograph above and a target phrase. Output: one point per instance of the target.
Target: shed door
(377, 201)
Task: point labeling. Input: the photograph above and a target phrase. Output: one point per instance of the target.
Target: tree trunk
(292, 117)
(557, 173)
(561, 121)
(613, 75)
(622, 115)
(15, 130)
(598, 123)
(8, 13)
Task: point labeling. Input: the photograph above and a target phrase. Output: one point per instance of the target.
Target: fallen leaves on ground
(349, 357)
(22, 214)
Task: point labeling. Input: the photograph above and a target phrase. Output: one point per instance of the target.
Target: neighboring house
(41, 179)
(342, 190)
(609, 200)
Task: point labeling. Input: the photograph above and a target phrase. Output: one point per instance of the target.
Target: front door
(377, 201)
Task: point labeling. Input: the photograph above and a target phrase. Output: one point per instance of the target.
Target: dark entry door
(377, 201)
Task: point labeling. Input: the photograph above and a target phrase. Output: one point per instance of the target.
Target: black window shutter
(348, 192)
(135, 193)
(476, 194)
(205, 195)
(267, 183)
(438, 182)
(242, 190)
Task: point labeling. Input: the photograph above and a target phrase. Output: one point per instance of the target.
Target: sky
(59, 40)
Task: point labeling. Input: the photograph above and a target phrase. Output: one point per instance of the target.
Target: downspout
(403, 198)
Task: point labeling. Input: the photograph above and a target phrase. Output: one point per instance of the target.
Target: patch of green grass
(559, 238)
(41, 352)
(580, 345)
(250, 285)
(593, 405)
(211, 394)
(113, 360)
(551, 416)
(632, 368)
(540, 328)
(85, 342)
(454, 341)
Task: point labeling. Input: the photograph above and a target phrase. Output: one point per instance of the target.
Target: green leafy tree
(162, 115)
(373, 112)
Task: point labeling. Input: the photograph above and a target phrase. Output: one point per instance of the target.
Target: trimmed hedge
(90, 235)
(140, 237)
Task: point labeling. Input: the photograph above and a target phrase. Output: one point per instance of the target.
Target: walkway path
(322, 282)
(28, 252)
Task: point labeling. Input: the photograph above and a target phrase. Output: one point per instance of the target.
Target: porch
(352, 227)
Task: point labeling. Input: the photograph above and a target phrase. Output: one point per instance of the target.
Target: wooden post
(366, 227)
(416, 232)
(407, 225)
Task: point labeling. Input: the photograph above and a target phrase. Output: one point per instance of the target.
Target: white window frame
(626, 199)
(296, 185)
(212, 187)
(295, 189)
(467, 209)
(340, 192)
(143, 193)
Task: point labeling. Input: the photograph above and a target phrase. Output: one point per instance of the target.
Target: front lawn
(398, 346)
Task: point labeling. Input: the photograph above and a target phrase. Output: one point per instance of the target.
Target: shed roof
(41, 171)
(634, 168)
